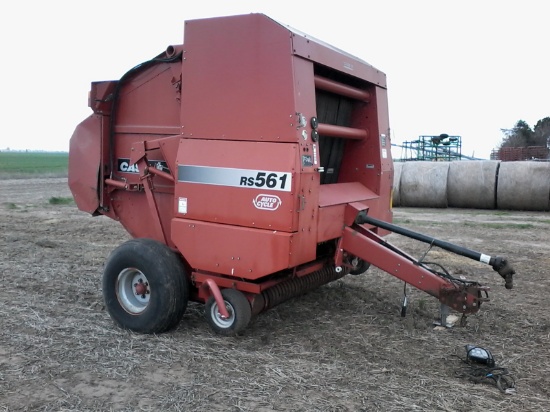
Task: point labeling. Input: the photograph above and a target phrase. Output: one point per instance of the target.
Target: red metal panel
(98, 98)
(331, 222)
(327, 55)
(133, 211)
(333, 199)
(238, 80)
(126, 145)
(242, 183)
(84, 163)
(342, 193)
(231, 250)
(304, 244)
(369, 161)
(149, 102)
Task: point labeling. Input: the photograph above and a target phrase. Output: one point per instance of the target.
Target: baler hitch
(499, 264)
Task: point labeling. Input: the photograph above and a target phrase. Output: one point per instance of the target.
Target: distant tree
(542, 132)
(521, 135)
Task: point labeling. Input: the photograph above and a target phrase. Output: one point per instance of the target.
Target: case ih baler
(250, 164)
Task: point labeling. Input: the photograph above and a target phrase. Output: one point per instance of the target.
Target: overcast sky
(467, 68)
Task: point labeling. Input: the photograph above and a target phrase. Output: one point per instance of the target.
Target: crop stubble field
(342, 347)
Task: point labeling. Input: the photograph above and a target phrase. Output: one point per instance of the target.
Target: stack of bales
(483, 184)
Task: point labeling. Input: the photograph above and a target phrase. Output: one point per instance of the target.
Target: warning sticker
(182, 205)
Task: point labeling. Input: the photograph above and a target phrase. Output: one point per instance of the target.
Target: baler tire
(240, 313)
(361, 268)
(161, 270)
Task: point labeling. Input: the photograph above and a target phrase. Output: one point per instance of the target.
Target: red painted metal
(160, 173)
(328, 85)
(341, 131)
(242, 252)
(117, 183)
(218, 148)
(462, 299)
(84, 163)
(215, 291)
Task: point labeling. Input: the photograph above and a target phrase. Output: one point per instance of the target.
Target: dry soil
(342, 347)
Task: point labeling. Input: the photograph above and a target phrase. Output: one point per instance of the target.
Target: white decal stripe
(245, 178)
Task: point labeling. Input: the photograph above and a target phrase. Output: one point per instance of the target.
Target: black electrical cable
(485, 371)
(445, 274)
(495, 375)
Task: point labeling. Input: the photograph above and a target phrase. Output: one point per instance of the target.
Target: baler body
(248, 150)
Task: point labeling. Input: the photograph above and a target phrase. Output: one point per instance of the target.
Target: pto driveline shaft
(499, 264)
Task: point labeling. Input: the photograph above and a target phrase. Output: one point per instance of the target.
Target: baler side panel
(238, 80)
(133, 211)
(250, 184)
(240, 252)
(147, 108)
(150, 102)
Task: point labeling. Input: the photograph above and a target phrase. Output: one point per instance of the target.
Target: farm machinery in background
(250, 164)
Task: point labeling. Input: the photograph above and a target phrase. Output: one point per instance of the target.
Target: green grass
(33, 163)
(60, 200)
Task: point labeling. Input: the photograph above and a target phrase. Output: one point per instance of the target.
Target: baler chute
(247, 164)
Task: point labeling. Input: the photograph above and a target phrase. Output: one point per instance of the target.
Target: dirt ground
(342, 347)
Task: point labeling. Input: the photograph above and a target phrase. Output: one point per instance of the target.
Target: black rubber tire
(239, 310)
(361, 268)
(166, 279)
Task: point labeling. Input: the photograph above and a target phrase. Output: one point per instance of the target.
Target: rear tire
(145, 286)
(359, 266)
(239, 310)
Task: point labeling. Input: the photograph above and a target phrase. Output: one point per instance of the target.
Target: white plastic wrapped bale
(424, 184)
(524, 186)
(472, 184)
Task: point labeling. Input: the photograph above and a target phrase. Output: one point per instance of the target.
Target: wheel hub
(141, 288)
(220, 320)
(133, 290)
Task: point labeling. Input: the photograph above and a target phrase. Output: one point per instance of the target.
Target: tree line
(522, 135)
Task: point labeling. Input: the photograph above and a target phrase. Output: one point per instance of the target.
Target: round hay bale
(424, 184)
(523, 186)
(472, 184)
(396, 198)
